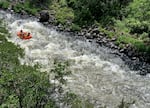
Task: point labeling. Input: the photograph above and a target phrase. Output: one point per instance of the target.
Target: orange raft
(24, 35)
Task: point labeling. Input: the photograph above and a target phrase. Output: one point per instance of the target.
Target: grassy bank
(124, 38)
(134, 29)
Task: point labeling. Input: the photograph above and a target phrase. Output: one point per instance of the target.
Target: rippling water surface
(97, 75)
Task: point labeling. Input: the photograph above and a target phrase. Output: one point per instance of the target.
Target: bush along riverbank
(25, 86)
(111, 30)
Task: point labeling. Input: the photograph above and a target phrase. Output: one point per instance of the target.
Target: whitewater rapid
(97, 74)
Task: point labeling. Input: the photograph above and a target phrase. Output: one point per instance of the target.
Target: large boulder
(44, 16)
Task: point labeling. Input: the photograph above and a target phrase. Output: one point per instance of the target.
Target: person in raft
(21, 34)
(28, 34)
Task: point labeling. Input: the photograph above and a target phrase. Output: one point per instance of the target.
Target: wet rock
(22, 1)
(130, 53)
(112, 46)
(11, 11)
(90, 40)
(102, 34)
(114, 39)
(90, 30)
(143, 72)
(122, 50)
(44, 16)
(104, 41)
(95, 35)
(52, 19)
(45, 23)
(81, 34)
(89, 36)
(59, 26)
(99, 42)
(148, 69)
(67, 29)
(22, 12)
(95, 30)
(133, 58)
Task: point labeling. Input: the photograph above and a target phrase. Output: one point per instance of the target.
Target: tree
(21, 85)
(27, 85)
(89, 10)
(40, 2)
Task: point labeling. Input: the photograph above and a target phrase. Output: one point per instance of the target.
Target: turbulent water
(97, 74)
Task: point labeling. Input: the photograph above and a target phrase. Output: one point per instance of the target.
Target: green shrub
(4, 4)
(83, 17)
(18, 7)
(138, 27)
(88, 10)
(138, 16)
(27, 7)
(140, 46)
(62, 14)
(75, 27)
(40, 3)
(75, 102)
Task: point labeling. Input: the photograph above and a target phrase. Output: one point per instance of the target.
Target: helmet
(28, 34)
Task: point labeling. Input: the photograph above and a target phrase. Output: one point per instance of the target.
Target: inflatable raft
(24, 35)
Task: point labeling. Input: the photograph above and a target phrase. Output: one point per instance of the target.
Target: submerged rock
(44, 16)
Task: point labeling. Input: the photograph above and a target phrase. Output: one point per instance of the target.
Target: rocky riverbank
(134, 59)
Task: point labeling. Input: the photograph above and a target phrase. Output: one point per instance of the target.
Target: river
(97, 74)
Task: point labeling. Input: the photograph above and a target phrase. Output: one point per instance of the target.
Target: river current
(97, 74)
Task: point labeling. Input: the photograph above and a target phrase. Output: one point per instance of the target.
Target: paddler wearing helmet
(21, 34)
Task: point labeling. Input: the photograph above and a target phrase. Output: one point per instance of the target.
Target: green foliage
(12, 102)
(14, 51)
(121, 26)
(137, 26)
(138, 44)
(60, 70)
(3, 30)
(137, 17)
(75, 102)
(26, 6)
(75, 27)
(29, 86)
(83, 17)
(136, 23)
(38, 3)
(17, 7)
(4, 4)
(88, 10)
(62, 13)
(126, 39)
